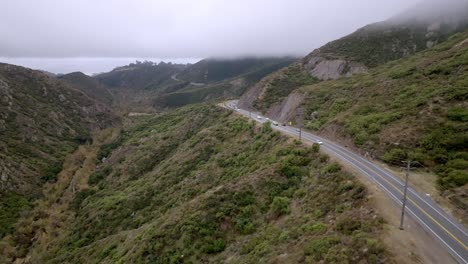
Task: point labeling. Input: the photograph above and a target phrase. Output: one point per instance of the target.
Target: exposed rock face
(289, 109)
(324, 69)
(248, 98)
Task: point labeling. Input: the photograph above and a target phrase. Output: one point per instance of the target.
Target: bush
(331, 168)
(50, 173)
(459, 164)
(455, 178)
(347, 225)
(266, 127)
(213, 245)
(99, 175)
(314, 228)
(395, 154)
(11, 206)
(80, 196)
(280, 205)
(315, 148)
(319, 248)
(458, 114)
(106, 149)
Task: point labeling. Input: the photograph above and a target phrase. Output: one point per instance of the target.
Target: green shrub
(315, 228)
(99, 175)
(459, 164)
(266, 127)
(319, 247)
(213, 245)
(454, 178)
(280, 205)
(458, 113)
(11, 205)
(106, 149)
(80, 196)
(315, 148)
(50, 172)
(347, 225)
(330, 168)
(395, 154)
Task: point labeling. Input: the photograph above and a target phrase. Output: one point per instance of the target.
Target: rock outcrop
(325, 69)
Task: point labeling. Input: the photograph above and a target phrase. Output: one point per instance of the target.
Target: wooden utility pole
(408, 165)
(300, 133)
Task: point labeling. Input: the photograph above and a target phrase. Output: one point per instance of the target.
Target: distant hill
(140, 75)
(88, 85)
(41, 121)
(213, 79)
(213, 70)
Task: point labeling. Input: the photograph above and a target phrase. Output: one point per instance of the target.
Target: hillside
(410, 108)
(201, 184)
(140, 75)
(213, 79)
(149, 86)
(214, 70)
(41, 121)
(421, 27)
(88, 85)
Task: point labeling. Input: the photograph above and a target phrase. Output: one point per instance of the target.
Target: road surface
(452, 235)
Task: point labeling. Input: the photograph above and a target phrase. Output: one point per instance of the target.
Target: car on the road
(275, 123)
(283, 124)
(319, 142)
(259, 117)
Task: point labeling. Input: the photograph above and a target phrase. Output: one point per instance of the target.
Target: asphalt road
(452, 235)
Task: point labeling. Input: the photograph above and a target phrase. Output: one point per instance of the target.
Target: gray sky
(96, 35)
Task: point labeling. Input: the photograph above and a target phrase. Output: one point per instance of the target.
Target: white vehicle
(319, 142)
(259, 117)
(275, 123)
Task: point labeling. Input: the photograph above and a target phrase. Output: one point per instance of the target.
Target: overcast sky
(97, 35)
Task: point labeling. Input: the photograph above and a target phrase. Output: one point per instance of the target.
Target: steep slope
(414, 107)
(201, 184)
(422, 27)
(88, 85)
(41, 121)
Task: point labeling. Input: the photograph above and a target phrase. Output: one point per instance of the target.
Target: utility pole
(300, 133)
(408, 165)
(250, 114)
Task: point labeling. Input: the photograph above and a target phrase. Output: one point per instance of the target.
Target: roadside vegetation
(413, 108)
(201, 184)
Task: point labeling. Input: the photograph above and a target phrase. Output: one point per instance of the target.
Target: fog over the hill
(94, 36)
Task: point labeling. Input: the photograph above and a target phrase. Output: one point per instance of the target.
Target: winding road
(452, 235)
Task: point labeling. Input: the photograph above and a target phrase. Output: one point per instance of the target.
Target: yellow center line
(409, 199)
